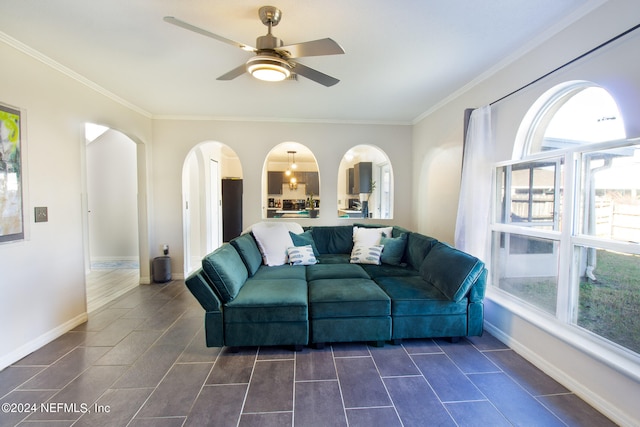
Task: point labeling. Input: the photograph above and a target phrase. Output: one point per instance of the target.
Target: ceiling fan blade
(187, 26)
(236, 72)
(314, 75)
(313, 48)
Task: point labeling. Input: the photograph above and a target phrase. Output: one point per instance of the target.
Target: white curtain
(474, 206)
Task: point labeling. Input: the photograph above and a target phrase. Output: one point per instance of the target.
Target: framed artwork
(11, 206)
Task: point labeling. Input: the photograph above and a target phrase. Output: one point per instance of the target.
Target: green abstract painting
(11, 209)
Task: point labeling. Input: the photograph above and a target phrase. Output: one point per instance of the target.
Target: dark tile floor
(141, 361)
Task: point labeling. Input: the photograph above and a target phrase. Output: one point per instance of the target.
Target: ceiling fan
(273, 61)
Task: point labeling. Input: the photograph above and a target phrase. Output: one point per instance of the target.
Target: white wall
(112, 187)
(439, 135)
(252, 142)
(42, 281)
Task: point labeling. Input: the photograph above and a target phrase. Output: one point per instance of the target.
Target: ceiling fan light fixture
(269, 68)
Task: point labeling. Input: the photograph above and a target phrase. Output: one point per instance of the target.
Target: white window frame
(564, 323)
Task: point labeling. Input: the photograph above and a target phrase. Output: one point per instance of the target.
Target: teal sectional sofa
(420, 288)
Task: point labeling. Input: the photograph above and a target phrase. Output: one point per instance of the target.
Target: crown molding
(280, 120)
(18, 45)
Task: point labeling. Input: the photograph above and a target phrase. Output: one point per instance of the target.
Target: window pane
(610, 206)
(531, 194)
(526, 267)
(609, 295)
(582, 117)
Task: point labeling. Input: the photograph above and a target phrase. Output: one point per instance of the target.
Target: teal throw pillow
(304, 239)
(393, 249)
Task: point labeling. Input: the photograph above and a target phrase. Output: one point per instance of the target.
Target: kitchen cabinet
(312, 183)
(362, 174)
(274, 182)
(350, 181)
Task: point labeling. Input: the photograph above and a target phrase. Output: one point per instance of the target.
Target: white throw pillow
(291, 226)
(369, 236)
(366, 254)
(301, 255)
(273, 240)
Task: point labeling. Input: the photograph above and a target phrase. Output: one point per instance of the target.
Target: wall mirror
(365, 184)
(291, 183)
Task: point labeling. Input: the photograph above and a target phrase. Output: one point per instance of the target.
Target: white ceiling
(402, 58)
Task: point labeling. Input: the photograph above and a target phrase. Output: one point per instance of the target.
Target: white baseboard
(46, 338)
(113, 258)
(586, 394)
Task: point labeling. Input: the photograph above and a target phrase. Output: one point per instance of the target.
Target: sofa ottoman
(268, 312)
(351, 309)
(418, 309)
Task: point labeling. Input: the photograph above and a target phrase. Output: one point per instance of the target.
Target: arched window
(291, 183)
(567, 224)
(365, 184)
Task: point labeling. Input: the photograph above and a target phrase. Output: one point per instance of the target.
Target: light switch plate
(41, 214)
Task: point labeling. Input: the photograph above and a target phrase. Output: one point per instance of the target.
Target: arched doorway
(207, 167)
(111, 228)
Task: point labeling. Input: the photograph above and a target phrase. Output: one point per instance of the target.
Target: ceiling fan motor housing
(268, 42)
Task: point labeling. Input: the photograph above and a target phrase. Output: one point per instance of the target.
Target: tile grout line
(204, 382)
(246, 393)
(293, 399)
(386, 389)
(335, 367)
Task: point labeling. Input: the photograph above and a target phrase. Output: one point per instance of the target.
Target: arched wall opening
(365, 183)
(205, 168)
(115, 226)
(290, 182)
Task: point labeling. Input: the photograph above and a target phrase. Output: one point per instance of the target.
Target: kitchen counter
(349, 213)
(282, 213)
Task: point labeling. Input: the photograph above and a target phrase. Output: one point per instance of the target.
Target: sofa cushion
(203, 292)
(273, 240)
(418, 246)
(334, 258)
(329, 298)
(388, 270)
(248, 250)
(450, 270)
(301, 255)
(366, 254)
(394, 247)
(285, 271)
(226, 271)
(265, 301)
(335, 271)
(414, 296)
(304, 239)
(336, 239)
